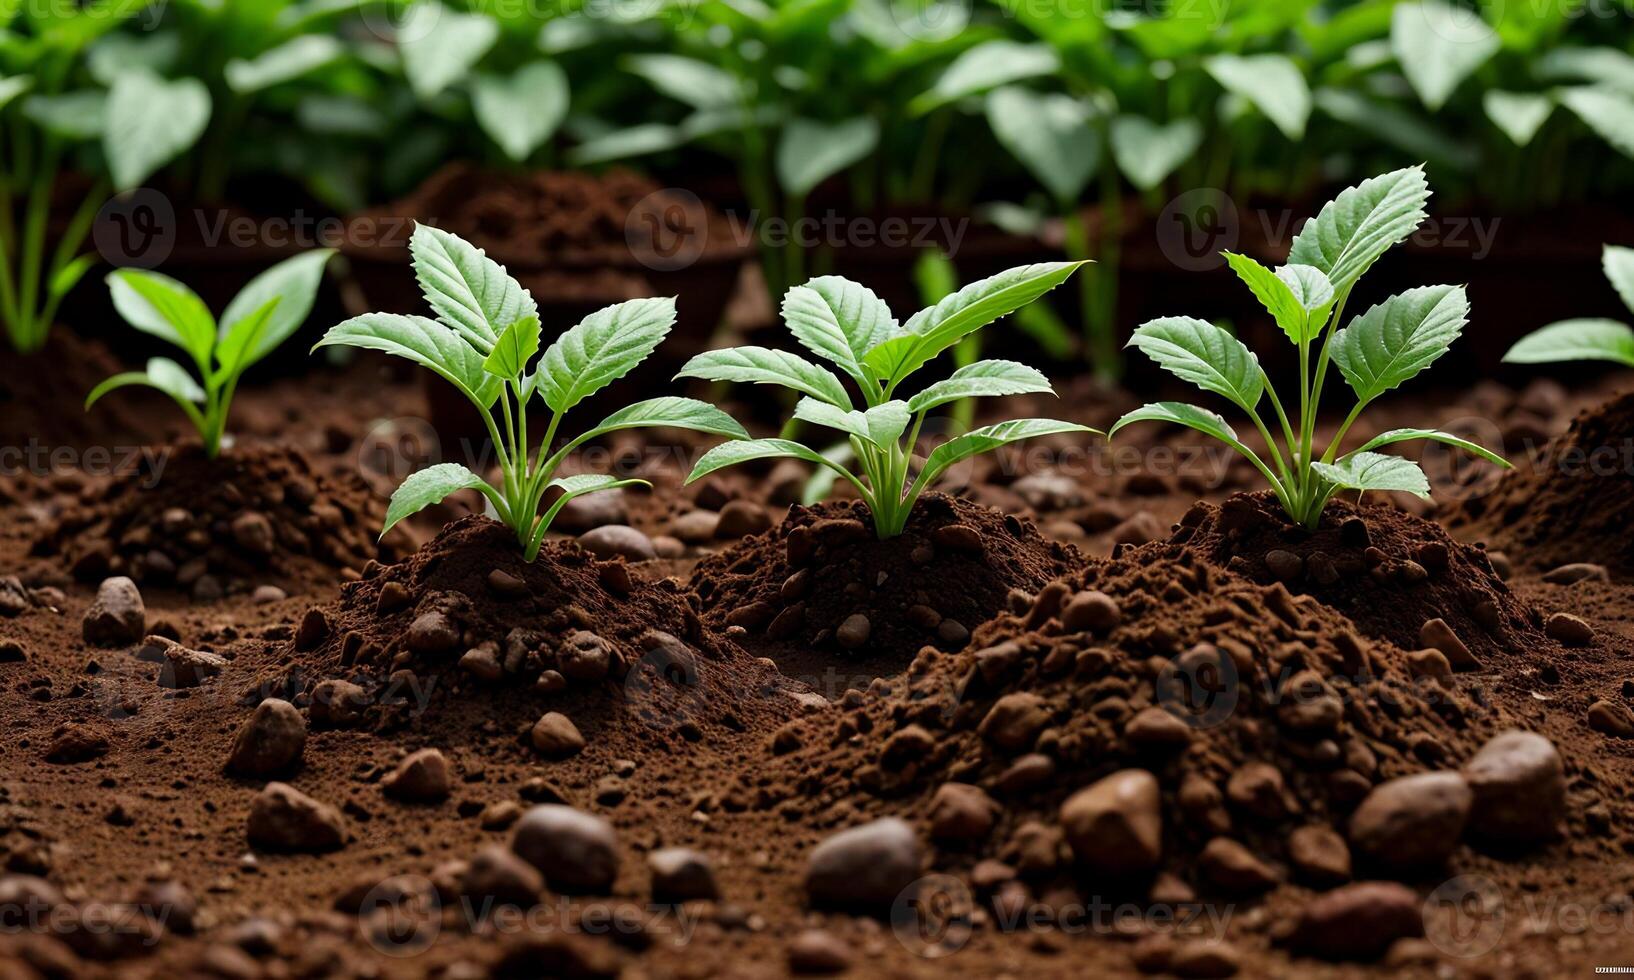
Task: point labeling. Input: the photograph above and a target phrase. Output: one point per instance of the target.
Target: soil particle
(577, 852)
(864, 869)
(554, 736)
(618, 541)
(270, 742)
(1115, 825)
(118, 617)
(496, 874)
(1358, 922)
(422, 777)
(818, 952)
(282, 818)
(681, 874)
(1610, 718)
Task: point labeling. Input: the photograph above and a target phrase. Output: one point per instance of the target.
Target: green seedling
(1589, 339)
(260, 318)
(486, 333)
(1376, 352)
(847, 325)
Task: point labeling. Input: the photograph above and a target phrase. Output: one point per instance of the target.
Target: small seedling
(260, 318)
(1377, 352)
(847, 325)
(1586, 339)
(486, 332)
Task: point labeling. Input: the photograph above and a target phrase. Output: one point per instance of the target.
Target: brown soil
(794, 589)
(42, 398)
(1573, 503)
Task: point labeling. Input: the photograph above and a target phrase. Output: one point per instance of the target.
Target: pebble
(314, 629)
(1014, 721)
(1412, 823)
(592, 510)
(577, 852)
(1115, 826)
(961, 812)
(74, 743)
(1358, 922)
(1575, 573)
(337, 703)
(853, 633)
(1319, 855)
(1519, 784)
(1284, 565)
(283, 818)
(422, 777)
(1572, 631)
(266, 595)
(1610, 718)
(742, 518)
(618, 541)
(482, 662)
(499, 815)
(961, 538)
(507, 586)
(864, 869)
(554, 736)
(270, 742)
(1155, 728)
(818, 952)
(584, 657)
(253, 532)
(681, 874)
(695, 526)
(496, 873)
(182, 667)
(1430, 663)
(433, 634)
(1207, 959)
(1139, 529)
(12, 651)
(1234, 868)
(1093, 612)
(1438, 635)
(118, 617)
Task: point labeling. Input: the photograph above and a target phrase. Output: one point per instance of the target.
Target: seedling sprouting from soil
(1377, 352)
(849, 326)
(486, 333)
(261, 317)
(1586, 339)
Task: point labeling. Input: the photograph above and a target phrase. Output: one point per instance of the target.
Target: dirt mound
(42, 399)
(566, 631)
(255, 515)
(821, 590)
(1572, 504)
(1388, 571)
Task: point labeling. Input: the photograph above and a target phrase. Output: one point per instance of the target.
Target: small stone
(588, 511)
(1572, 631)
(1610, 718)
(1575, 573)
(1207, 959)
(1232, 867)
(433, 634)
(554, 736)
(1014, 721)
(864, 869)
(1319, 855)
(12, 651)
(585, 657)
(73, 743)
(313, 631)
(253, 532)
(495, 873)
(1285, 566)
(182, 667)
(1257, 788)
(118, 617)
(422, 777)
(337, 703)
(507, 586)
(1412, 823)
(961, 812)
(695, 526)
(1519, 784)
(681, 874)
(1432, 664)
(818, 952)
(618, 541)
(1358, 922)
(270, 742)
(499, 815)
(1091, 611)
(577, 852)
(1115, 826)
(1157, 729)
(482, 662)
(283, 818)
(961, 538)
(267, 595)
(952, 634)
(742, 518)
(1436, 634)
(854, 631)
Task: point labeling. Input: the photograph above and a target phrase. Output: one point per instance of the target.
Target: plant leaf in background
(1439, 45)
(1050, 134)
(809, 152)
(1609, 113)
(689, 81)
(1272, 82)
(987, 66)
(288, 61)
(1519, 115)
(294, 283)
(1576, 340)
(522, 111)
(440, 46)
(1617, 262)
(1147, 153)
(149, 122)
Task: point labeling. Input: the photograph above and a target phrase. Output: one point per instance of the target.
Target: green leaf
(432, 485)
(1432, 435)
(989, 438)
(1179, 413)
(173, 379)
(1272, 82)
(240, 341)
(521, 112)
(640, 140)
(881, 425)
(69, 276)
(1438, 46)
(578, 486)
(12, 86)
(294, 58)
(809, 152)
(440, 46)
(1600, 66)
(124, 379)
(743, 451)
(1395, 125)
(1206, 355)
(1395, 340)
(758, 365)
(294, 283)
(1610, 114)
(158, 305)
(1051, 134)
(1575, 340)
(1518, 114)
(983, 379)
(933, 330)
(75, 116)
(987, 66)
(471, 292)
(1618, 263)
(687, 80)
(669, 412)
(601, 348)
(426, 342)
(838, 320)
(1291, 295)
(515, 349)
(149, 122)
(1361, 224)
(1147, 153)
(1375, 471)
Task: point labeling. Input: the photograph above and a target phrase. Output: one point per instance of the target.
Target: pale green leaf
(1618, 263)
(440, 46)
(1609, 113)
(522, 111)
(150, 122)
(12, 86)
(424, 341)
(1518, 114)
(881, 425)
(689, 81)
(1575, 340)
(1272, 82)
(669, 412)
(1395, 340)
(1198, 420)
(1147, 153)
(983, 379)
(745, 450)
(1439, 45)
(984, 67)
(432, 485)
(294, 283)
(1361, 224)
(158, 305)
(80, 115)
(989, 438)
(514, 349)
(640, 140)
(1206, 355)
(1051, 134)
(578, 486)
(471, 292)
(809, 151)
(1395, 436)
(838, 320)
(239, 342)
(1292, 294)
(601, 348)
(294, 58)
(1375, 471)
(758, 365)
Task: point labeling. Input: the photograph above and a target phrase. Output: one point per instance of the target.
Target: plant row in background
(1025, 112)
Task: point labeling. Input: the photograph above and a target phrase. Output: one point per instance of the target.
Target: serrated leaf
(758, 365)
(983, 379)
(880, 426)
(1291, 294)
(1519, 115)
(432, 485)
(1618, 263)
(1361, 224)
(515, 348)
(471, 292)
(989, 438)
(1375, 471)
(670, 412)
(294, 283)
(424, 341)
(1438, 46)
(743, 451)
(987, 66)
(294, 58)
(1051, 134)
(150, 122)
(1610, 114)
(1147, 153)
(522, 111)
(1395, 340)
(1179, 413)
(1206, 355)
(1575, 340)
(440, 46)
(601, 348)
(578, 486)
(809, 151)
(1395, 436)
(160, 306)
(1272, 82)
(687, 80)
(838, 320)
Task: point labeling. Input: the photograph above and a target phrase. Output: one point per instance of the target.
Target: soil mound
(1574, 503)
(42, 397)
(821, 590)
(1389, 572)
(576, 634)
(254, 515)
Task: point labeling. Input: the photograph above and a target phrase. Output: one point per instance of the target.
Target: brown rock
(681, 874)
(1115, 826)
(1519, 784)
(1014, 721)
(1412, 823)
(1319, 855)
(1436, 634)
(1358, 922)
(555, 736)
(118, 617)
(422, 777)
(1091, 611)
(1572, 631)
(864, 869)
(961, 812)
(270, 742)
(283, 818)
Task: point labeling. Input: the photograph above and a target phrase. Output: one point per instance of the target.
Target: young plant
(1377, 352)
(486, 332)
(261, 317)
(1589, 339)
(849, 326)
